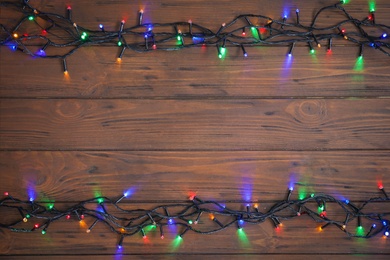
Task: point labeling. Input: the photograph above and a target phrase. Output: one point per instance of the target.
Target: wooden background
(169, 123)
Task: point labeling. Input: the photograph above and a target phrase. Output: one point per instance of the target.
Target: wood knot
(69, 109)
(311, 113)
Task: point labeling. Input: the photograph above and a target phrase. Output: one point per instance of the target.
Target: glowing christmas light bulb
(161, 232)
(219, 52)
(69, 12)
(143, 234)
(198, 217)
(239, 223)
(31, 18)
(91, 227)
(244, 51)
(15, 35)
(290, 54)
(43, 232)
(384, 35)
(297, 14)
(65, 67)
(373, 226)
(120, 242)
(140, 16)
(190, 26)
(67, 216)
(221, 28)
(6, 193)
(312, 51)
(180, 37)
(84, 36)
(324, 226)
(382, 189)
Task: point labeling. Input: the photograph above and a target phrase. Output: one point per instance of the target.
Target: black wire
(278, 32)
(138, 219)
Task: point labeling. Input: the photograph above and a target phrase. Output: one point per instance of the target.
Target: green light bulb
(190, 222)
(119, 43)
(100, 200)
(43, 232)
(31, 17)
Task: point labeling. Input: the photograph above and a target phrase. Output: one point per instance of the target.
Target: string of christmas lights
(63, 36)
(188, 214)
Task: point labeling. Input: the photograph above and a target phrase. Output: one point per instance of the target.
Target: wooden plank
(166, 176)
(195, 73)
(310, 124)
(320, 256)
(265, 73)
(262, 239)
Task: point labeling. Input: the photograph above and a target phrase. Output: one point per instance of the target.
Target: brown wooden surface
(311, 124)
(168, 123)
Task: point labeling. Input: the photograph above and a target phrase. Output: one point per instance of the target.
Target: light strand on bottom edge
(132, 222)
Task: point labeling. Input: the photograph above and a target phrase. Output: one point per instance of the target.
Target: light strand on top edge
(188, 214)
(144, 37)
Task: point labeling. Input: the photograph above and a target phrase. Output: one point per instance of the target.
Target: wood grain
(240, 176)
(260, 240)
(311, 124)
(197, 72)
(167, 123)
(265, 73)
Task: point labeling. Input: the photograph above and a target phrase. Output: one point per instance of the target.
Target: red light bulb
(36, 226)
(82, 216)
(67, 216)
(6, 193)
(69, 7)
